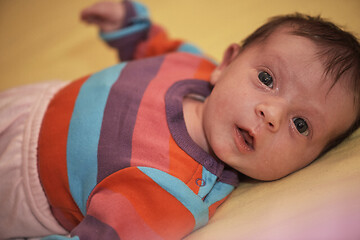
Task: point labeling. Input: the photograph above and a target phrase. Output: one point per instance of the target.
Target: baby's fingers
(108, 16)
(95, 12)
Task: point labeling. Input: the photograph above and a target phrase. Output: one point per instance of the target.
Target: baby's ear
(230, 54)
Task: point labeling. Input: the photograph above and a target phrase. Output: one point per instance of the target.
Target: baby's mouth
(249, 140)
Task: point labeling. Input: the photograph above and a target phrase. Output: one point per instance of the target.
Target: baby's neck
(193, 116)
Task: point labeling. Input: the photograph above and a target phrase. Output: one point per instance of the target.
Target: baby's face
(271, 111)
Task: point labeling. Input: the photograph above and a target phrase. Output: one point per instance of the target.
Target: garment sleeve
(140, 38)
(143, 203)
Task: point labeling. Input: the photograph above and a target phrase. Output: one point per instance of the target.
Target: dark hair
(339, 49)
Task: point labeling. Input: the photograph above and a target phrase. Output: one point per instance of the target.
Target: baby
(149, 148)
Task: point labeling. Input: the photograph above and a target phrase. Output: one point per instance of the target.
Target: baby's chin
(266, 176)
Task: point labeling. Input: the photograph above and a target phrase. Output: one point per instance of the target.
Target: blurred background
(44, 39)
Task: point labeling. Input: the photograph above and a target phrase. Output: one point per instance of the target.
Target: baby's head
(288, 94)
(339, 50)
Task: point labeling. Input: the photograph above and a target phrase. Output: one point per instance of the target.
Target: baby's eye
(266, 79)
(301, 126)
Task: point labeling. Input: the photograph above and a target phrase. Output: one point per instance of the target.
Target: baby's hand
(109, 16)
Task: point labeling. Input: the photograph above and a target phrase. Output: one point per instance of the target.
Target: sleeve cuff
(136, 20)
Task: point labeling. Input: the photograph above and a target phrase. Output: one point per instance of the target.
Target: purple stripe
(114, 150)
(91, 228)
(231, 176)
(126, 46)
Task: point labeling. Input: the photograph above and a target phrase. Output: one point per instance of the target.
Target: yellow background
(44, 39)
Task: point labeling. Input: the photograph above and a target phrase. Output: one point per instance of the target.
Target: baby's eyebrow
(278, 65)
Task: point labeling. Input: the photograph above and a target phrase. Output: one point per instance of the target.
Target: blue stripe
(58, 237)
(84, 133)
(126, 31)
(140, 23)
(218, 192)
(141, 10)
(182, 193)
(186, 47)
(209, 180)
(189, 48)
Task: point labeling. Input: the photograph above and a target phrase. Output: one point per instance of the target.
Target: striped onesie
(114, 157)
(114, 148)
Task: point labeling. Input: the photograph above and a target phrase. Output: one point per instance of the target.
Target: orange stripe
(52, 154)
(105, 205)
(214, 206)
(183, 166)
(158, 209)
(158, 43)
(205, 69)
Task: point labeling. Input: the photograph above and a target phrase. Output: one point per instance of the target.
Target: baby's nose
(271, 114)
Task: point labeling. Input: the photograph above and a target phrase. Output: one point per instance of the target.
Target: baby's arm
(127, 27)
(143, 203)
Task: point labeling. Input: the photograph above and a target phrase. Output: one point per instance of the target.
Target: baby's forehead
(282, 33)
(301, 57)
(332, 70)
(286, 45)
(336, 60)
(283, 40)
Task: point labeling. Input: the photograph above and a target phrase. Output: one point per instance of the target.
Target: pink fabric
(24, 210)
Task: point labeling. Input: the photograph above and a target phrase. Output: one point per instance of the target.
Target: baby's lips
(248, 137)
(249, 140)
